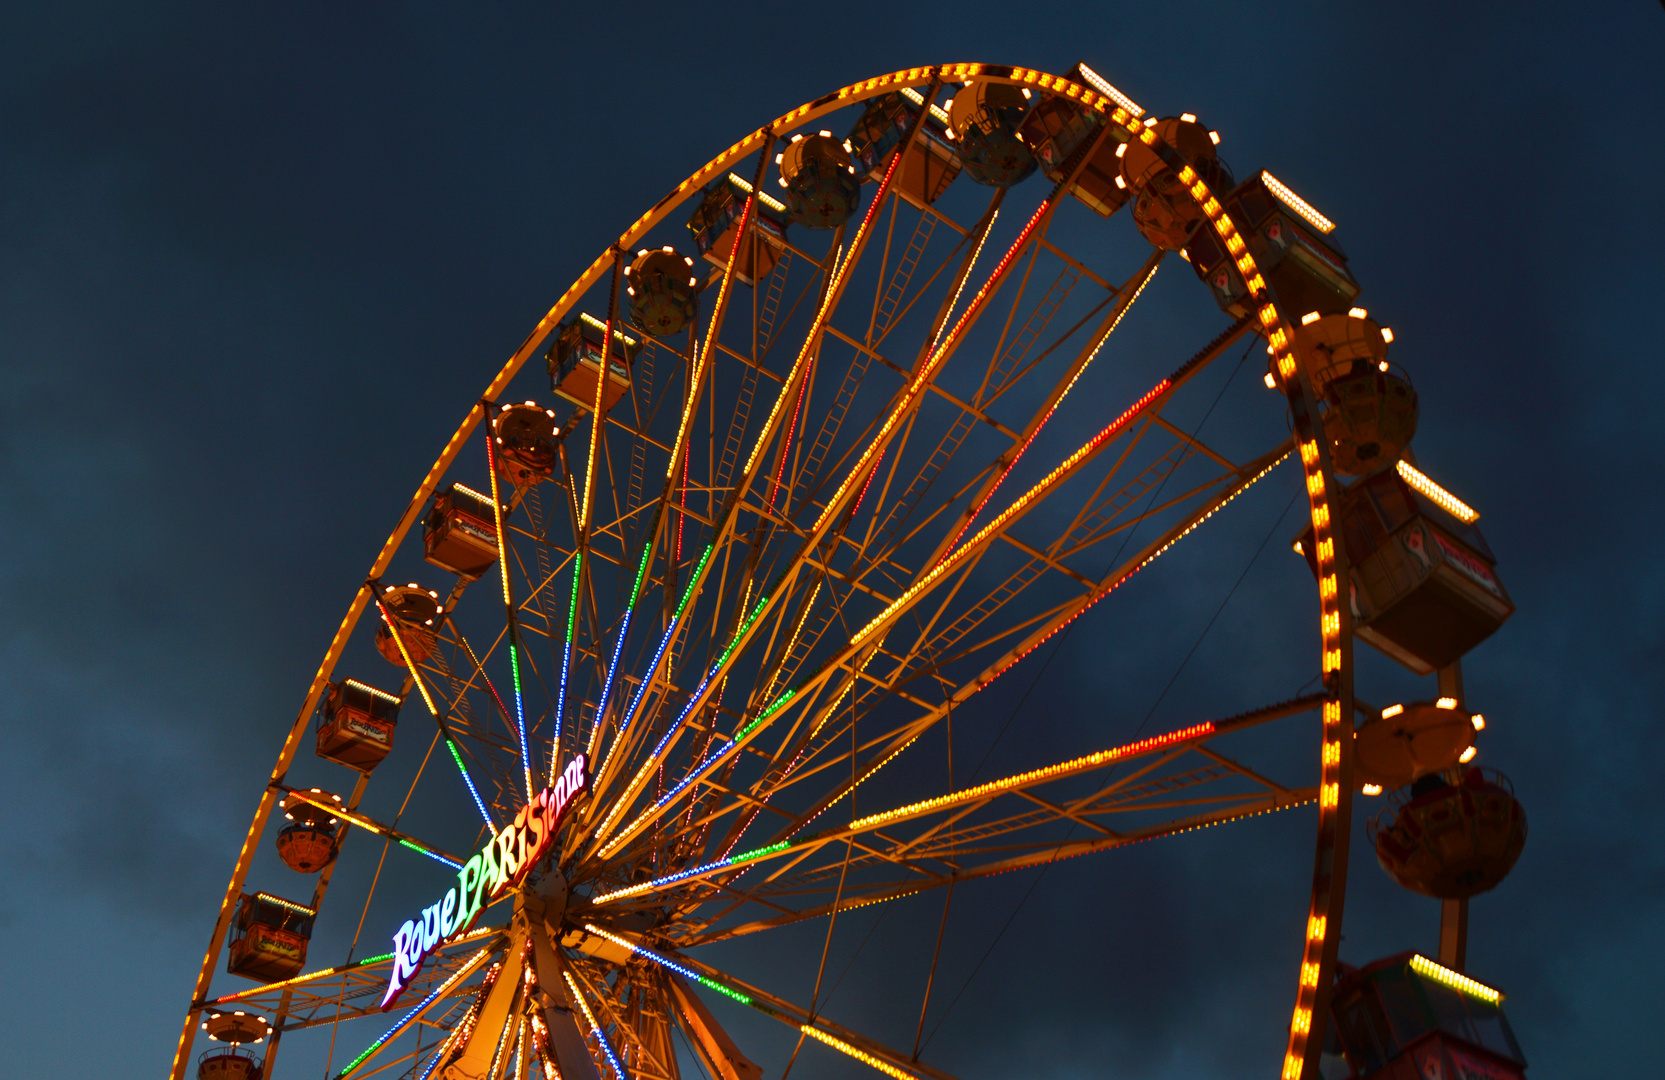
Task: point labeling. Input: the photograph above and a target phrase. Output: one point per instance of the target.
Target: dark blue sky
(255, 266)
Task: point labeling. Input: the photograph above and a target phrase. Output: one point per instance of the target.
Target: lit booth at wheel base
(1407, 1018)
(575, 362)
(269, 938)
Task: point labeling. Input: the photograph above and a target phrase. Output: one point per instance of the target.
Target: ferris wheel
(785, 495)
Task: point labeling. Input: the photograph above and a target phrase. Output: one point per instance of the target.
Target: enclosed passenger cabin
(1291, 244)
(1423, 586)
(986, 122)
(1055, 129)
(1369, 412)
(233, 1060)
(309, 844)
(355, 728)
(1407, 1018)
(575, 362)
(1164, 209)
(822, 190)
(929, 166)
(523, 442)
(460, 532)
(269, 937)
(415, 613)
(229, 1063)
(1450, 841)
(660, 284)
(715, 224)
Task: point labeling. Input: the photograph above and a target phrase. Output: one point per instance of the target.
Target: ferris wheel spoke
(1158, 752)
(365, 1074)
(360, 1001)
(360, 977)
(1165, 791)
(890, 309)
(451, 985)
(932, 653)
(1045, 853)
(905, 735)
(823, 1030)
(369, 825)
(887, 618)
(1125, 297)
(610, 1009)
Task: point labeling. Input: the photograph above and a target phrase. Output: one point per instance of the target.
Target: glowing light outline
(1425, 485)
(1306, 210)
(1455, 980)
(595, 1028)
(457, 976)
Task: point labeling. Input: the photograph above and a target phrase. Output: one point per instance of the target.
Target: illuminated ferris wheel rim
(1270, 323)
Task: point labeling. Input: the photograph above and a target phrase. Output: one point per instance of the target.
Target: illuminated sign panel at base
(499, 866)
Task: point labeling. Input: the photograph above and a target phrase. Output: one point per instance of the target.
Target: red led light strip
(928, 370)
(1033, 435)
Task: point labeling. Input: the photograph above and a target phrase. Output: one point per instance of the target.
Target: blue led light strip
(671, 795)
(405, 1021)
(566, 665)
(456, 756)
(434, 855)
(677, 726)
(595, 1028)
(683, 875)
(618, 646)
(665, 641)
(687, 973)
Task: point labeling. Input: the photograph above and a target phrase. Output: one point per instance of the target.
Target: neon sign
(499, 866)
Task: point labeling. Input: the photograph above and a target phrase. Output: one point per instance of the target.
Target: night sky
(254, 267)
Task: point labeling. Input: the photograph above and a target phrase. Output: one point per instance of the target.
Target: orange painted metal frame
(1335, 802)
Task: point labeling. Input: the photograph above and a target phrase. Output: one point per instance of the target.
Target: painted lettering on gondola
(499, 866)
(367, 728)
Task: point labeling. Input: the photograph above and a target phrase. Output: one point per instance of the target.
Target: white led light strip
(1097, 82)
(1296, 203)
(1446, 501)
